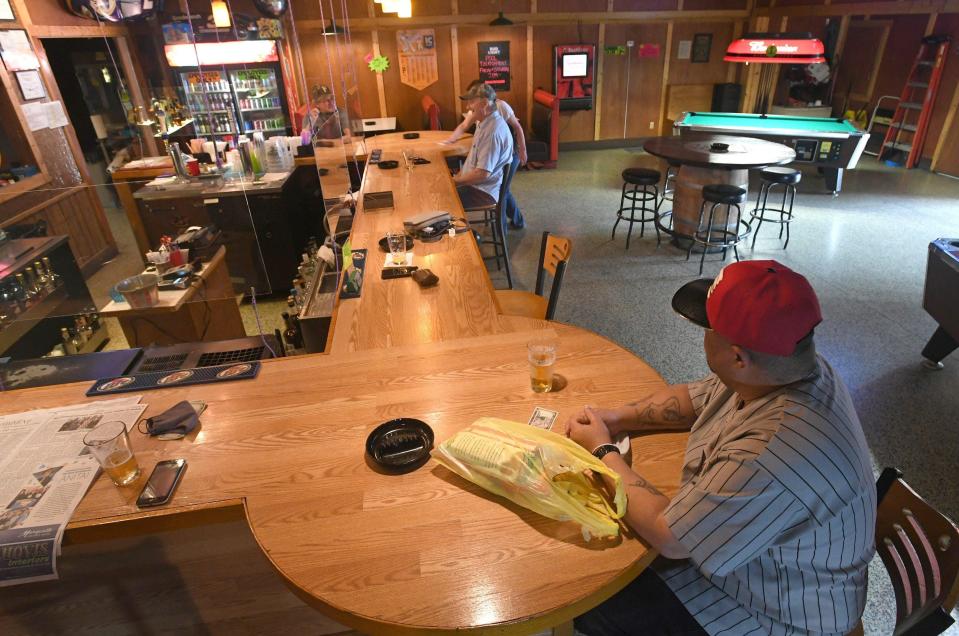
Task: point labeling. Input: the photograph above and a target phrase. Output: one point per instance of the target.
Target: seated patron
(478, 182)
(321, 118)
(772, 529)
(513, 212)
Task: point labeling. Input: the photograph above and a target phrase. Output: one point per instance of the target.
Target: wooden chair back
(553, 258)
(920, 549)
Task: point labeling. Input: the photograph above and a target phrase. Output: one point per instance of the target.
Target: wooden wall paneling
(857, 62)
(422, 8)
(469, 38)
(572, 6)
(574, 125)
(944, 110)
(600, 81)
(688, 72)
(945, 158)
(733, 68)
(491, 7)
(404, 102)
(665, 78)
(529, 74)
(457, 77)
(759, 24)
(644, 82)
(380, 83)
(712, 5)
(646, 5)
(880, 68)
(858, 7)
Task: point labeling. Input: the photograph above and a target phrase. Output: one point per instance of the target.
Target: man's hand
(588, 429)
(522, 156)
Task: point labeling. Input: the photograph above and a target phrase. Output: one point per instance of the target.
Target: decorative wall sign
(31, 86)
(648, 50)
(702, 43)
(615, 50)
(378, 63)
(417, 53)
(6, 11)
(494, 64)
(684, 49)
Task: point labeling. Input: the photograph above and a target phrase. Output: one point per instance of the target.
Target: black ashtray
(411, 135)
(718, 147)
(389, 164)
(385, 245)
(401, 445)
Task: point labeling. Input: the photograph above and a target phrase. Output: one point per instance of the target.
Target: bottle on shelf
(68, 345)
(52, 276)
(24, 294)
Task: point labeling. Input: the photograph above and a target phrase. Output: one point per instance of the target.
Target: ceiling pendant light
(221, 14)
(390, 6)
(776, 48)
(405, 9)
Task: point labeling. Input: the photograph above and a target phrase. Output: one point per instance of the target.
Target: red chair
(431, 111)
(542, 148)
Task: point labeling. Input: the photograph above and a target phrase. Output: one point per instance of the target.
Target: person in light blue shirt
(478, 182)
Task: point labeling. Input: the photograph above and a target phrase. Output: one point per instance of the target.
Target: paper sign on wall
(494, 64)
(417, 52)
(684, 50)
(45, 115)
(648, 50)
(16, 51)
(6, 12)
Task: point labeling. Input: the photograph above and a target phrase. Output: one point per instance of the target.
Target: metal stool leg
(782, 211)
(619, 212)
(692, 240)
(656, 213)
(632, 215)
(709, 232)
(739, 219)
(760, 214)
(792, 200)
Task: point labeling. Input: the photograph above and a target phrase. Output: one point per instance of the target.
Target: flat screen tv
(575, 64)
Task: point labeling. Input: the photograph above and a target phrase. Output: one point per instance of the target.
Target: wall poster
(416, 49)
(494, 64)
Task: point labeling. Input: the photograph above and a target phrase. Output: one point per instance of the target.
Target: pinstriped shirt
(777, 509)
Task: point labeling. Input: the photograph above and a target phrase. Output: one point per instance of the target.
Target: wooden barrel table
(702, 164)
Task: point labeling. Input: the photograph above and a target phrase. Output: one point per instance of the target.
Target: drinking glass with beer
(396, 240)
(110, 444)
(541, 353)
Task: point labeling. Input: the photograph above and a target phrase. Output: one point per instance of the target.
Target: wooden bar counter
(425, 552)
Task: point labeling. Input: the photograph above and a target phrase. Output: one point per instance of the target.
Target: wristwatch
(603, 449)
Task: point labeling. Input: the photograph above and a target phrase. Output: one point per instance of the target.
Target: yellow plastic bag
(537, 469)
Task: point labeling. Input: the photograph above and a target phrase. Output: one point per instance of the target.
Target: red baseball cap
(760, 305)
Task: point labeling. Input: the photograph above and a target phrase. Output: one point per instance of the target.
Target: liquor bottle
(51, 275)
(95, 322)
(32, 284)
(8, 301)
(77, 342)
(85, 329)
(78, 329)
(68, 344)
(24, 295)
(43, 281)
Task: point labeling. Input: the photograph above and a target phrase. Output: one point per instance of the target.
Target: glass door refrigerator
(232, 87)
(208, 96)
(260, 101)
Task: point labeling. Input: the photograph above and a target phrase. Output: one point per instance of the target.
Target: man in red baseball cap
(772, 528)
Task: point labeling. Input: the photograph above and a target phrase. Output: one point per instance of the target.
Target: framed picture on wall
(6, 11)
(702, 43)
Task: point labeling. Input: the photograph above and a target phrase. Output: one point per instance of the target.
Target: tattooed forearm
(640, 482)
(664, 412)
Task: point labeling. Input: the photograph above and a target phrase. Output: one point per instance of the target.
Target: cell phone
(161, 484)
(388, 273)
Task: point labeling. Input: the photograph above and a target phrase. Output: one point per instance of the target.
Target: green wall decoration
(379, 63)
(616, 50)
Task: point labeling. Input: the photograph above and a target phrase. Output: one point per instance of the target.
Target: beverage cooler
(244, 96)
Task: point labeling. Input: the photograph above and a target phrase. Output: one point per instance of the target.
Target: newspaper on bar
(45, 470)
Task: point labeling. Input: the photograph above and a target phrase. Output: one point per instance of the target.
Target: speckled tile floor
(864, 252)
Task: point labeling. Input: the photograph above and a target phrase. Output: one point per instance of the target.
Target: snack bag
(537, 469)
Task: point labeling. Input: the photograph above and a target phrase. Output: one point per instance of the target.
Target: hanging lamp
(776, 48)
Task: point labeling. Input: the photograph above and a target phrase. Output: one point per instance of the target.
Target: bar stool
(645, 192)
(786, 177)
(669, 183)
(719, 194)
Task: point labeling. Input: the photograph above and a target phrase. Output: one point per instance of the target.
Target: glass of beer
(396, 240)
(109, 443)
(541, 353)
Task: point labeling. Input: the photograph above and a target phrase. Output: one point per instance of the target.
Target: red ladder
(918, 96)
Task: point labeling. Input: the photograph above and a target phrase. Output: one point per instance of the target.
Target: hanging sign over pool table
(776, 48)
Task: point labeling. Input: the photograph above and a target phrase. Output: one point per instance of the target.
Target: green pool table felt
(772, 122)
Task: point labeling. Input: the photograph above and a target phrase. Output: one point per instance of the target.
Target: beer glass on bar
(110, 444)
(541, 353)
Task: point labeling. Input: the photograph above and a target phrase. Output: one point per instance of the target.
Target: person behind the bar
(478, 182)
(772, 528)
(513, 212)
(321, 118)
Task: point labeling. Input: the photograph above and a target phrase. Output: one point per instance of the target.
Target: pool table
(830, 144)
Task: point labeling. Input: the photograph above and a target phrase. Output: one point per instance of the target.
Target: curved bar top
(425, 552)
